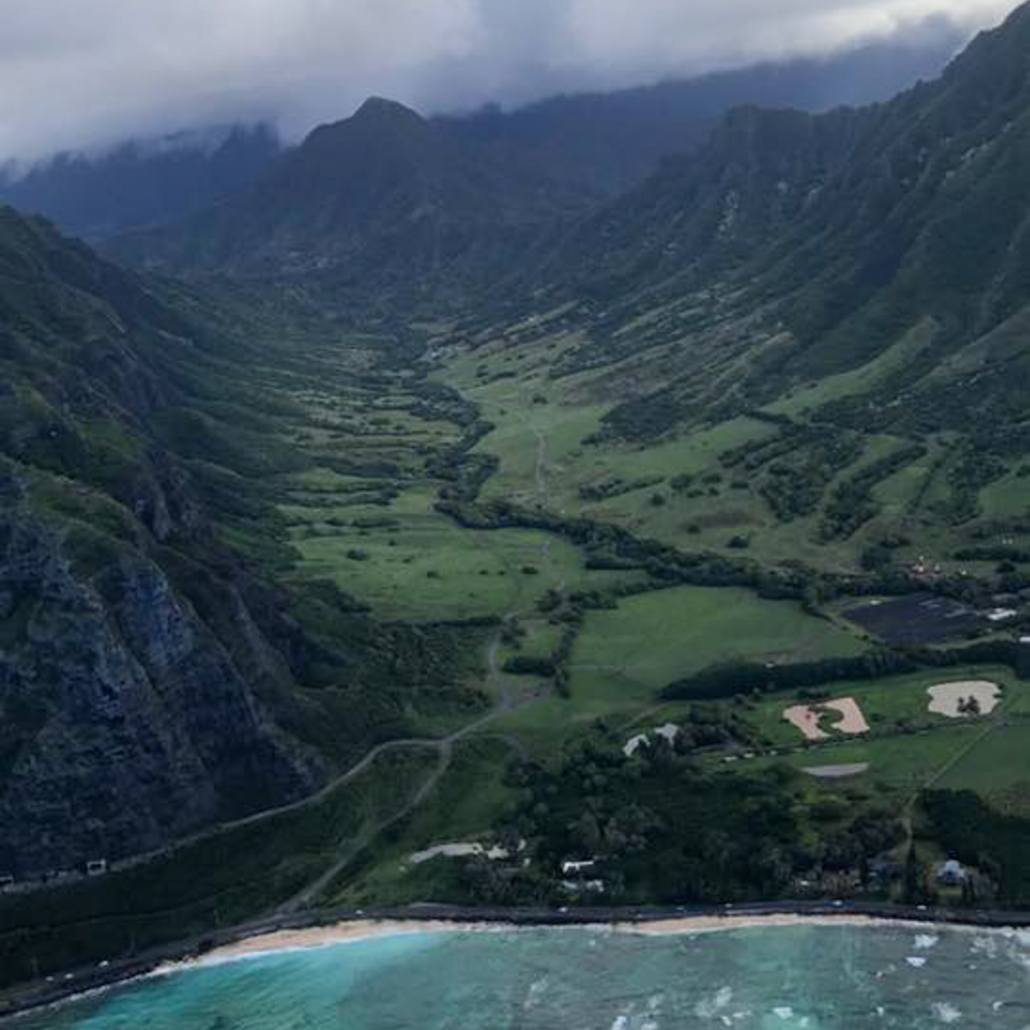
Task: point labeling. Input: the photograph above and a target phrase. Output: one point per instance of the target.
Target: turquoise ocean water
(817, 977)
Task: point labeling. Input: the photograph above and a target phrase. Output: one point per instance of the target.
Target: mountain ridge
(464, 199)
(847, 228)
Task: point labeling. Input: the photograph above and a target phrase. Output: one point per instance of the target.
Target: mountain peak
(382, 110)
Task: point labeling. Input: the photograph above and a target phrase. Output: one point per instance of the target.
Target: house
(1001, 614)
(951, 874)
(633, 744)
(578, 866)
(669, 732)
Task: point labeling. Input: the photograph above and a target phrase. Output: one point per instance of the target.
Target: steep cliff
(151, 681)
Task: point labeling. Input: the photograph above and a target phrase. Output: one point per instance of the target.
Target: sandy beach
(276, 942)
(715, 924)
(317, 937)
(308, 938)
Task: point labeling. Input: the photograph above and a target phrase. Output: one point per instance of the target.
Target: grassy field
(998, 768)
(987, 754)
(899, 765)
(542, 438)
(1008, 497)
(623, 657)
(653, 639)
(407, 561)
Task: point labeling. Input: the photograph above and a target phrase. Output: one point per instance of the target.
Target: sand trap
(945, 697)
(837, 772)
(852, 720)
(806, 718)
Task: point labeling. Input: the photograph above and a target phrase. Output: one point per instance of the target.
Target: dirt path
(504, 704)
(350, 848)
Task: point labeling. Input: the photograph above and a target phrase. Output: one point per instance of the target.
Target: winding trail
(444, 745)
(504, 704)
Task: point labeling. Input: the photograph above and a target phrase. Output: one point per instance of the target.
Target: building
(1001, 614)
(578, 866)
(951, 874)
(669, 732)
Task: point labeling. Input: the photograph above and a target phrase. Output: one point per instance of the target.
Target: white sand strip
(282, 941)
(836, 772)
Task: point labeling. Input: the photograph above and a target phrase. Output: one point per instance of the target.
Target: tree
(915, 878)
(863, 871)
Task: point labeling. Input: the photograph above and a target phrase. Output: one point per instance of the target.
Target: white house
(670, 731)
(578, 866)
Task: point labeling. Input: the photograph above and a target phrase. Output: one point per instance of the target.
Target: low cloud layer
(78, 75)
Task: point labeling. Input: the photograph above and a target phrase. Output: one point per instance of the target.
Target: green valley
(416, 525)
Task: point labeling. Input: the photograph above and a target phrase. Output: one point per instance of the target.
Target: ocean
(811, 976)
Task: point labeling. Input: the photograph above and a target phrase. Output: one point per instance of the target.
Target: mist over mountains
(602, 142)
(141, 183)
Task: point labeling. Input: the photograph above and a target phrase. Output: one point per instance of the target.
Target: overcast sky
(81, 73)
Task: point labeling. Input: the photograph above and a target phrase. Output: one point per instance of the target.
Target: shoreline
(281, 942)
(328, 929)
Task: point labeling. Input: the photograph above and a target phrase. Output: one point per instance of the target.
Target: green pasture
(419, 564)
(1008, 497)
(998, 767)
(652, 639)
(902, 764)
(623, 657)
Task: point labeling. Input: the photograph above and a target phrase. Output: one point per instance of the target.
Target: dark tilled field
(916, 619)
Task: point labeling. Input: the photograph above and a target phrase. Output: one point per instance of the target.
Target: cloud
(81, 73)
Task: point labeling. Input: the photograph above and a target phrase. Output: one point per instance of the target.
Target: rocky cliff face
(152, 681)
(123, 721)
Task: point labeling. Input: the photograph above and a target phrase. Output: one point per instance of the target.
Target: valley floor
(400, 492)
